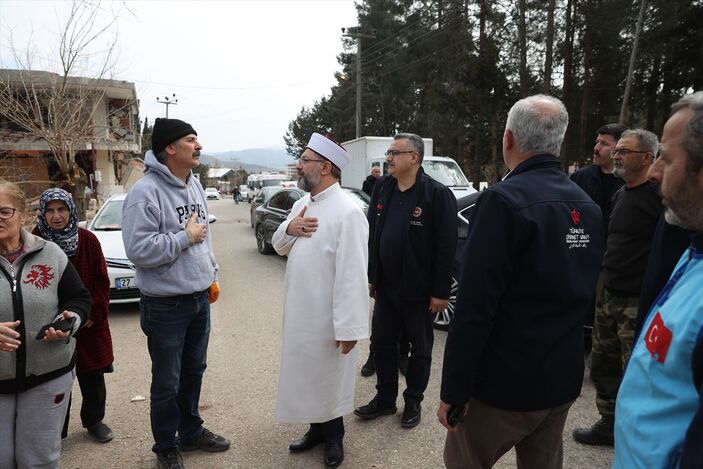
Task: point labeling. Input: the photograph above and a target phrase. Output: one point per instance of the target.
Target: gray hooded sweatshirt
(154, 216)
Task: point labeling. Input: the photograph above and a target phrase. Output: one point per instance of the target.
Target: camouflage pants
(613, 333)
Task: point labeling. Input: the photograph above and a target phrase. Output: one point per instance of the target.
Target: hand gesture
(438, 304)
(347, 345)
(196, 232)
(9, 337)
(301, 226)
(52, 334)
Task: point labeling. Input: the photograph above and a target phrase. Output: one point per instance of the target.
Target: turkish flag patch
(658, 338)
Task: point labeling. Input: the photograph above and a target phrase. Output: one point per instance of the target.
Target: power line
(412, 41)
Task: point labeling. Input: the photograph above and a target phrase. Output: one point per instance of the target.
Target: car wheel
(443, 318)
(261, 243)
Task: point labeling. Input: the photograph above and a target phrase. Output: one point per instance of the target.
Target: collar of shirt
(330, 191)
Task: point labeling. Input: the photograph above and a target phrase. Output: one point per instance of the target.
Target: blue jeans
(177, 330)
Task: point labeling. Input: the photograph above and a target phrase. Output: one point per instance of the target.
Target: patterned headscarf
(67, 238)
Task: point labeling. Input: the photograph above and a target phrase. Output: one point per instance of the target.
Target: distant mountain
(274, 158)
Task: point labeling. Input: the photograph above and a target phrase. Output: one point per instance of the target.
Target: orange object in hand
(213, 292)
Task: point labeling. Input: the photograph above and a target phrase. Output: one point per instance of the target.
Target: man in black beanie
(165, 234)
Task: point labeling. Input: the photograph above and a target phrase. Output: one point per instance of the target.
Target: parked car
(465, 209)
(211, 193)
(107, 227)
(268, 216)
(261, 197)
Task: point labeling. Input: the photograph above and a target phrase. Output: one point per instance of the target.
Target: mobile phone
(455, 414)
(63, 324)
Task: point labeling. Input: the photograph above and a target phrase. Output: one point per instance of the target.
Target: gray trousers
(30, 425)
(488, 433)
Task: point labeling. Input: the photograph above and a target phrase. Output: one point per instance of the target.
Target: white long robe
(326, 299)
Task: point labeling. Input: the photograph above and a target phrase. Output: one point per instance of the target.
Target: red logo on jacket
(379, 206)
(39, 276)
(576, 216)
(658, 338)
(417, 211)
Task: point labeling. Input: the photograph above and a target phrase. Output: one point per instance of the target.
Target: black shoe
(334, 453)
(372, 410)
(369, 367)
(403, 365)
(100, 432)
(601, 433)
(411, 414)
(170, 459)
(207, 441)
(306, 442)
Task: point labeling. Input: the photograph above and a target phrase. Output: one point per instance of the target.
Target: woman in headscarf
(38, 285)
(57, 221)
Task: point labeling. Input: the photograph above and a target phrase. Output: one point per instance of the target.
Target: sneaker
(369, 367)
(170, 459)
(601, 433)
(100, 432)
(207, 441)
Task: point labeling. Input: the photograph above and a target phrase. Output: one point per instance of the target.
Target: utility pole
(355, 34)
(633, 56)
(167, 101)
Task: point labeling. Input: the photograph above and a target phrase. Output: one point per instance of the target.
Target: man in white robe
(326, 301)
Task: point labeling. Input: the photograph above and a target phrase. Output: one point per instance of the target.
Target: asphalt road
(239, 390)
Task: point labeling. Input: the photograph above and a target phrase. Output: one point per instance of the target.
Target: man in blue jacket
(165, 234)
(513, 361)
(659, 411)
(412, 240)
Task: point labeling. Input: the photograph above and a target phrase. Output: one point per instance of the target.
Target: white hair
(538, 123)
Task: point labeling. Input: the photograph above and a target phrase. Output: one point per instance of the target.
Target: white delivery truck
(367, 152)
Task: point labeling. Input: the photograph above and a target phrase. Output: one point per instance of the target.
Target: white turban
(329, 149)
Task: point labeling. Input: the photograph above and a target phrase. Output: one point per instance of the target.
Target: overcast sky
(241, 70)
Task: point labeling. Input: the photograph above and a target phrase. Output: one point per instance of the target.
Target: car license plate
(124, 282)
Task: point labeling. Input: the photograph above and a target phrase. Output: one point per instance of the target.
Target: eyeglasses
(395, 153)
(308, 160)
(625, 152)
(7, 212)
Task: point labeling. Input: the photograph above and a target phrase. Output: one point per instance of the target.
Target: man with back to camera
(164, 229)
(326, 308)
(513, 360)
(659, 416)
(636, 211)
(412, 242)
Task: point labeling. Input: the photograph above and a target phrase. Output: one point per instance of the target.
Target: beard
(619, 171)
(308, 181)
(683, 207)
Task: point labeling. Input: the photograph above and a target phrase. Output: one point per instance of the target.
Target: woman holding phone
(38, 286)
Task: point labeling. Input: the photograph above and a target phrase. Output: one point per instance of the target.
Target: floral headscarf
(67, 238)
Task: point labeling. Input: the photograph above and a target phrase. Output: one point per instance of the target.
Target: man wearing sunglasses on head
(636, 210)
